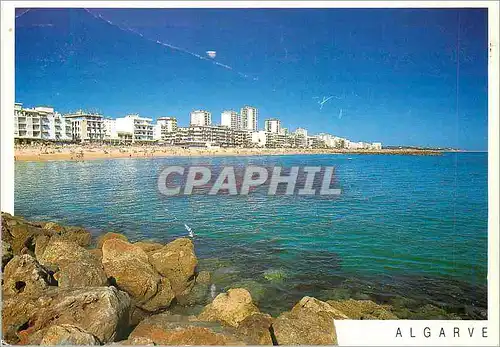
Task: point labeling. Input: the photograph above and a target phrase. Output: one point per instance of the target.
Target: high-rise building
(249, 118)
(201, 118)
(230, 119)
(272, 125)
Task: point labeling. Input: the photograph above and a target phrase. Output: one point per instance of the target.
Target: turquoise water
(404, 225)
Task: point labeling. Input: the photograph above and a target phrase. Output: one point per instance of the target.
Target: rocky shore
(60, 286)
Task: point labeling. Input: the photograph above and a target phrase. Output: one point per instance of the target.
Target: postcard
(250, 173)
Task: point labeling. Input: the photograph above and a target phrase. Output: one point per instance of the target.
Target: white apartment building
(301, 132)
(376, 145)
(200, 118)
(230, 119)
(110, 131)
(163, 127)
(134, 128)
(259, 138)
(86, 126)
(272, 125)
(249, 118)
(40, 123)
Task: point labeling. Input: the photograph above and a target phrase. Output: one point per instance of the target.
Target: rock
(230, 308)
(275, 275)
(79, 235)
(97, 253)
(66, 334)
(100, 311)
(256, 289)
(6, 253)
(24, 275)
(310, 322)
(203, 277)
(363, 309)
(148, 246)
(128, 267)
(108, 236)
(166, 329)
(75, 266)
(315, 305)
(177, 262)
(22, 235)
(256, 329)
(56, 228)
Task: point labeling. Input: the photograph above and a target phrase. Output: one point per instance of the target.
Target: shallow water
(413, 226)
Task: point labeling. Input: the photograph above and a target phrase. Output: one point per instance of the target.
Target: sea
(404, 228)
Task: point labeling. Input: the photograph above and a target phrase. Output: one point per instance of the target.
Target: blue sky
(392, 72)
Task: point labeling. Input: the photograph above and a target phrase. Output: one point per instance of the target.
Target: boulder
(362, 309)
(315, 305)
(310, 322)
(198, 293)
(128, 268)
(24, 275)
(167, 329)
(177, 262)
(230, 308)
(99, 311)
(256, 329)
(149, 246)
(75, 266)
(66, 334)
(108, 236)
(79, 235)
(6, 253)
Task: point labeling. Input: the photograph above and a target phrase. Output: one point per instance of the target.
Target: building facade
(230, 119)
(249, 118)
(134, 128)
(200, 118)
(272, 125)
(40, 123)
(86, 126)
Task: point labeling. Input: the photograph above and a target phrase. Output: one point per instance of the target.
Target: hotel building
(86, 126)
(134, 128)
(272, 126)
(230, 119)
(201, 118)
(40, 123)
(249, 118)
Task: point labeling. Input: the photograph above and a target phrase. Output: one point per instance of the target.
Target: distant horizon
(378, 75)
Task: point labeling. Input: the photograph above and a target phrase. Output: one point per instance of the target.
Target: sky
(396, 76)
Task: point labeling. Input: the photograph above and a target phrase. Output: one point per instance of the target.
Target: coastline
(75, 152)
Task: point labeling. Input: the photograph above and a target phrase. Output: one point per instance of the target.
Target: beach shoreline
(77, 152)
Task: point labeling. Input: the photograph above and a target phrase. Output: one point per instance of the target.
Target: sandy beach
(93, 152)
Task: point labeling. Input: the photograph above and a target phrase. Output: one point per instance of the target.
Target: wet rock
(256, 329)
(166, 329)
(75, 266)
(310, 322)
(427, 311)
(100, 311)
(24, 275)
(66, 334)
(177, 262)
(197, 294)
(230, 308)
(103, 238)
(363, 309)
(148, 246)
(6, 253)
(256, 289)
(275, 275)
(128, 267)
